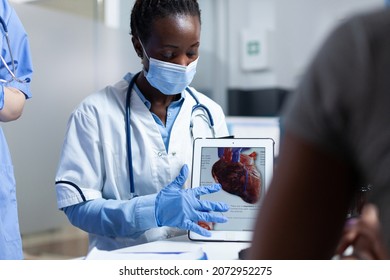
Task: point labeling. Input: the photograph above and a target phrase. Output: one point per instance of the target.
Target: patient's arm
(305, 207)
(364, 235)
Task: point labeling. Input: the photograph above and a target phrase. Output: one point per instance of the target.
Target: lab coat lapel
(141, 114)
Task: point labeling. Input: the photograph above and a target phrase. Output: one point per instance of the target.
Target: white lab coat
(94, 165)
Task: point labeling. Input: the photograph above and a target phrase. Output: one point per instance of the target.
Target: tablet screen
(243, 167)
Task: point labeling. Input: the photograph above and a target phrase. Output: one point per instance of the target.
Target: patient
(336, 138)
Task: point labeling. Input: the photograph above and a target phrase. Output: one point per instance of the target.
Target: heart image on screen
(238, 174)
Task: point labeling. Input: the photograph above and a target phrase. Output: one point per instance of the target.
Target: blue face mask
(169, 78)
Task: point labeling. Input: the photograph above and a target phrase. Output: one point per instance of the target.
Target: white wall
(255, 15)
(297, 27)
(117, 13)
(300, 28)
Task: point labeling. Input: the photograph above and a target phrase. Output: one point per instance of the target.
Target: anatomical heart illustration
(238, 174)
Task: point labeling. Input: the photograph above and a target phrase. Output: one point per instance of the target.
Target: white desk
(214, 250)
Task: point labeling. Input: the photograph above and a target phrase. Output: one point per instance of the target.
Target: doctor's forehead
(175, 29)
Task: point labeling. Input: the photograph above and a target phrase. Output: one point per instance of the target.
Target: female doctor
(15, 74)
(123, 172)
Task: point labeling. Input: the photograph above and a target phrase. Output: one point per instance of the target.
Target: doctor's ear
(137, 47)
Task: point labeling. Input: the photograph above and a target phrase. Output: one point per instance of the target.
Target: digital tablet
(244, 168)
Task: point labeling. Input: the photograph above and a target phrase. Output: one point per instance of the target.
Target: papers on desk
(159, 251)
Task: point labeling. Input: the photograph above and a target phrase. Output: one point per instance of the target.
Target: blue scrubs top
(10, 239)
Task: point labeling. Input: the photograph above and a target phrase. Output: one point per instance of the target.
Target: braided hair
(146, 11)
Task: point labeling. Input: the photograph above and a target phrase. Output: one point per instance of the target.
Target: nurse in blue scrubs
(15, 76)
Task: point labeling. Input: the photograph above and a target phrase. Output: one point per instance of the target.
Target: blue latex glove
(181, 208)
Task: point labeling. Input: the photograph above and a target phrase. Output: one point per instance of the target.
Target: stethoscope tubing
(11, 72)
(2, 22)
(128, 136)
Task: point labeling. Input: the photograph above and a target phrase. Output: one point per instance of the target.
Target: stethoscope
(206, 116)
(11, 72)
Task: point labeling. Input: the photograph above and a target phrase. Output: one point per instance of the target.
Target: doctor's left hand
(181, 208)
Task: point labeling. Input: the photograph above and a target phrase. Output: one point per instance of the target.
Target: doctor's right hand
(182, 208)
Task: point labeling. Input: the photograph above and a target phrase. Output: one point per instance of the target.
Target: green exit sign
(253, 48)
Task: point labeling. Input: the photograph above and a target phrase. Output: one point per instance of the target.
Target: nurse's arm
(14, 101)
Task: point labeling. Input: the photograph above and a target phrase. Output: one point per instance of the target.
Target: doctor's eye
(192, 57)
(168, 55)
(193, 52)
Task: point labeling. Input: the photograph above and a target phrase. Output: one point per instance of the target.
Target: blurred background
(253, 53)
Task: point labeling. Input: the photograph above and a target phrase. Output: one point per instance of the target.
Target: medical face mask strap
(147, 57)
(144, 51)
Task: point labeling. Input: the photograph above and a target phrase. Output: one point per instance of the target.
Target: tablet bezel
(199, 143)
